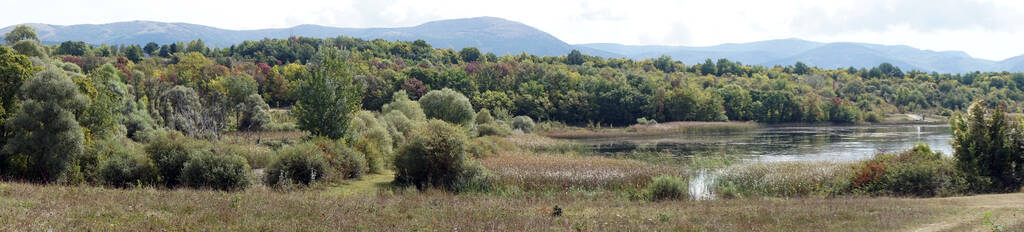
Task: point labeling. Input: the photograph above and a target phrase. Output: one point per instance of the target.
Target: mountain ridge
(501, 36)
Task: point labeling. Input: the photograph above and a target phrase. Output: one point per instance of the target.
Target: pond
(787, 143)
(781, 144)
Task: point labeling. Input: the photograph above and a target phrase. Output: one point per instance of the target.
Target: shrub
(220, 172)
(401, 124)
(343, 161)
(371, 137)
(256, 156)
(873, 117)
(482, 147)
(400, 102)
(987, 148)
(524, 123)
(435, 157)
(255, 114)
(484, 117)
(299, 164)
(448, 105)
(916, 172)
(493, 128)
(668, 187)
(170, 150)
(124, 170)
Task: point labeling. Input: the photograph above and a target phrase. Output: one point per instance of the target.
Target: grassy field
(540, 174)
(30, 207)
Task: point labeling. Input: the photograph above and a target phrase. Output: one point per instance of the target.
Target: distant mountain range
(501, 36)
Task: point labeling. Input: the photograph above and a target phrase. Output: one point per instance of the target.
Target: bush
(343, 161)
(170, 150)
(220, 172)
(524, 123)
(448, 105)
(482, 147)
(484, 117)
(987, 146)
(493, 128)
(400, 102)
(256, 156)
(916, 172)
(371, 137)
(435, 157)
(299, 164)
(668, 187)
(401, 124)
(124, 170)
(873, 117)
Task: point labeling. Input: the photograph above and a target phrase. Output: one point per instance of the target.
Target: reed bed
(786, 179)
(545, 171)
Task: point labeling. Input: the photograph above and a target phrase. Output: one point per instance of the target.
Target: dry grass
(533, 171)
(649, 130)
(259, 137)
(787, 179)
(538, 143)
(28, 207)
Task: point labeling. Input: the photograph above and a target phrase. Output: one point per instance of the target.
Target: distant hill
(489, 34)
(825, 55)
(501, 36)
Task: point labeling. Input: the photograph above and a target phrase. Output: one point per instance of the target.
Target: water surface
(787, 143)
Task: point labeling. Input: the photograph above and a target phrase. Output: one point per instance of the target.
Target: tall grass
(788, 179)
(28, 207)
(532, 171)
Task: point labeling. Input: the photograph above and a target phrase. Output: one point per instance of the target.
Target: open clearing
(30, 207)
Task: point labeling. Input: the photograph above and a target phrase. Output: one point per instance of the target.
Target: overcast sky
(989, 29)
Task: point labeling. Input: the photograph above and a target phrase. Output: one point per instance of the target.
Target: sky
(988, 29)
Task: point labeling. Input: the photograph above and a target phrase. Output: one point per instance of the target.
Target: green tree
(988, 150)
(448, 105)
(72, 48)
(575, 58)
(14, 69)
(470, 54)
(133, 53)
(326, 101)
(401, 103)
(30, 48)
(664, 63)
(21, 32)
(106, 91)
(151, 49)
(46, 137)
(255, 114)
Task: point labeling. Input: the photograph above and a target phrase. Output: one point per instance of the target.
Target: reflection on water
(788, 143)
(781, 143)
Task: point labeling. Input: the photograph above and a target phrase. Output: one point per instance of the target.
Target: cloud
(917, 15)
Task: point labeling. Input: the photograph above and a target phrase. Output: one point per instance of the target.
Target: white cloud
(983, 28)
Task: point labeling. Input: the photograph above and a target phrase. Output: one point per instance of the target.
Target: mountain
(825, 55)
(489, 34)
(501, 36)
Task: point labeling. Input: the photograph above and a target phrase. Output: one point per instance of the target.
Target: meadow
(592, 193)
